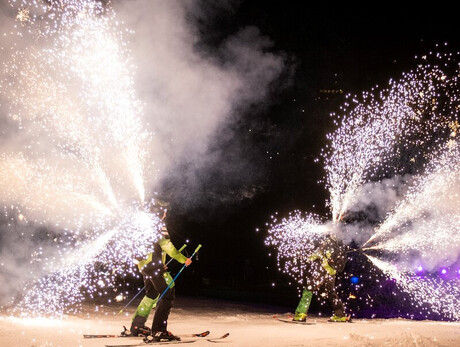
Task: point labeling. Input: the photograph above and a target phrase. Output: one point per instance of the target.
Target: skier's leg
(160, 319)
(335, 301)
(144, 308)
(303, 306)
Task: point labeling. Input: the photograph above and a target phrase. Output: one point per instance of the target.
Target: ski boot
(342, 319)
(125, 332)
(161, 336)
(137, 331)
(300, 317)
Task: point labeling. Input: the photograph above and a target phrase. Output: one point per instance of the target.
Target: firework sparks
(454, 127)
(79, 167)
(432, 200)
(295, 239)
(383, 134)
(424, 228)
(73, 274)
(411, 129)
(23, 15)
(441, 295)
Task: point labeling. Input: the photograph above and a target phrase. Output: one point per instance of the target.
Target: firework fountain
(86, 139)
(80, 154)
(77, 159)
(405, 134)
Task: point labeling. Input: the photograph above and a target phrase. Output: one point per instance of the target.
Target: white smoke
(193, 93)
(377, 199)
(186, 94)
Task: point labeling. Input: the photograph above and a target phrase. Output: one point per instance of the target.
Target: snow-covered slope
(248, 325)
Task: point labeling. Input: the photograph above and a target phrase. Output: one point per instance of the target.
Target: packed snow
(248, 324)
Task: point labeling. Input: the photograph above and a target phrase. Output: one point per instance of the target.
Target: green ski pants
(304, 302)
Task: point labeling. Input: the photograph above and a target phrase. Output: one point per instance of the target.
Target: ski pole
(174, 279)
(140, 291)
(353, 250)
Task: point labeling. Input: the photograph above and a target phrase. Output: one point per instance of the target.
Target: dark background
(343, 49)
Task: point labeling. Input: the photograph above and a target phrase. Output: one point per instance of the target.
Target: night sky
(326, 48)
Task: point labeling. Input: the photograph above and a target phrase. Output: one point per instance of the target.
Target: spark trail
(388, 132)
(407, 129)
(295, 239)
(424, 231)
(76, 157)
(434, 198)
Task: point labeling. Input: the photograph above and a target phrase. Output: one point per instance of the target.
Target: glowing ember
(23, 15)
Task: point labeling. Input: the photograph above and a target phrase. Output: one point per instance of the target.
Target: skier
(324, 264)
(156, 280)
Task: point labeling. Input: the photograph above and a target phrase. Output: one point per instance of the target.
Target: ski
(100, 336)
(124, 334)
(349, 320)
(204, 334)
(286, 320)
(154, 343)
(289, 319)
(212, 339)
(215, 339)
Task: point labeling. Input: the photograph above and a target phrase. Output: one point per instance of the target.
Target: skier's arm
(324, 262)
(168, 247)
